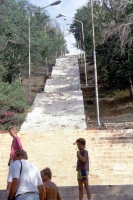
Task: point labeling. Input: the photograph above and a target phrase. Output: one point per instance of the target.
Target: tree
(113, 35)
(14, 39)
(120, 28)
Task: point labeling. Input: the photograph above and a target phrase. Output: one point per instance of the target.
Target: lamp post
(61, 15)
(29, 77)
(95, 65)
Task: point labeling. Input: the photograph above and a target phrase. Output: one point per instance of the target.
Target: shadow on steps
(102, 192)
(4, 194)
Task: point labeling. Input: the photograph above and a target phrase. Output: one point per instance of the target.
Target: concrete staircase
(57, 119)
(100, 192)
(61, 105)
(111, 161)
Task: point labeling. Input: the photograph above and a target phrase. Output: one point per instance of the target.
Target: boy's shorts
(82, 175)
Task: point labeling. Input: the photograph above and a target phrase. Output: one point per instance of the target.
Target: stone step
(100, 137)
(109, 163)
(65, 181)
(99, 192)
(92, 162)
(110, 151)
(103, 192)
(100, 197)
(116, 125)
(98, 189)
(3, 194)
(94, 197)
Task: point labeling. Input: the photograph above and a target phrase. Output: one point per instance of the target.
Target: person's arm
(41, 192)
(9, 162)
(16, 166)
(82, 158)
(58, 195)
(14, 186)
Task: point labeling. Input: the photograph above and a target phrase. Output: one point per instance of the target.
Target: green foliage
(84, 15)
(13, 101)
(17, 120)
(113, 37)
(13, 97)
(46, 39)
(116, 70)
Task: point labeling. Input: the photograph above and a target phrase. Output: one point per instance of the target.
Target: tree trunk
(131, 86)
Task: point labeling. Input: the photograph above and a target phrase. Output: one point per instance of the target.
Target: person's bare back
(51, 191)
(50, 188)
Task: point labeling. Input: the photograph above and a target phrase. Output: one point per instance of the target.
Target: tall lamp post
(29, 78)
(95, 65)
(61, 15)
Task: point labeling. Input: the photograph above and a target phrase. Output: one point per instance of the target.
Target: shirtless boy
(50, 187)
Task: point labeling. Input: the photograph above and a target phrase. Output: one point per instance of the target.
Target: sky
(67, 8)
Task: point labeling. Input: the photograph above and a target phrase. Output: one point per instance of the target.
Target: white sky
(66, 7)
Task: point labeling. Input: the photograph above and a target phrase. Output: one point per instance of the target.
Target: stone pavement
(55, 122)
(60, 106)
(110, 153)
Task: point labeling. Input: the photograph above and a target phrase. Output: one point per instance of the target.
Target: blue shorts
(82, 175)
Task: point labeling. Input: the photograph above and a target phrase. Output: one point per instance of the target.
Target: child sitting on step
(82, 168)
(50, 188)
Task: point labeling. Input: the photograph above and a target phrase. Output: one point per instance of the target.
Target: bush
(13, 100)
(13, 97)
(6, 116)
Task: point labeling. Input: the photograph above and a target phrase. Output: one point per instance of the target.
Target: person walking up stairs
(16, 145)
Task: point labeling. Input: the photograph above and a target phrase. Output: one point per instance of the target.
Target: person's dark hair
(81, 141)
(47, 171)
(21, 152)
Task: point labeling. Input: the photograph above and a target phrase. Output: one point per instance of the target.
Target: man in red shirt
(16, 145)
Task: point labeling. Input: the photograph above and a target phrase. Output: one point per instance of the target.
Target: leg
(86, 184)
(80, 184)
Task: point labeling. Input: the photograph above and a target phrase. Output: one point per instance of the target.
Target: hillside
(114, 106)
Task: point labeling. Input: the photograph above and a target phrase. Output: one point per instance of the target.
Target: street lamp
(29, 78)
(95, 65)
(61, 15)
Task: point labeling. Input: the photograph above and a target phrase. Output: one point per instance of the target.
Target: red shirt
(16, 145)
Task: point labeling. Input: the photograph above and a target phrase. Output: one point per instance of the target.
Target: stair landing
(110, 153)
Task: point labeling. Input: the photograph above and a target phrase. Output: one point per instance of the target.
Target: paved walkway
(60, 106)
(110, 154)
(56, 121)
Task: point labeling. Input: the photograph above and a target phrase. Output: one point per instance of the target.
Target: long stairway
(111, 161)
(60, 106)
(57, 119)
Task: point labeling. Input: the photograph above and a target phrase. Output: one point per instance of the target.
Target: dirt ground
(114, 106)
